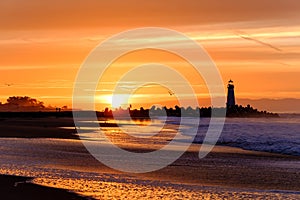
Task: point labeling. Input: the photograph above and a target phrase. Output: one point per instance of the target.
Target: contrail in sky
(247, 37)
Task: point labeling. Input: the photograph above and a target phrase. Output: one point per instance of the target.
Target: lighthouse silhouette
(230, 94)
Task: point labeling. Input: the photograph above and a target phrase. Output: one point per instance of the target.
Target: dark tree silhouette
(24, 102)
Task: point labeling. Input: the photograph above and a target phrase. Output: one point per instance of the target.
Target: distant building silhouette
(230, 94)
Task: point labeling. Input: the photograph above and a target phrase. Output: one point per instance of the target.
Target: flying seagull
(171, 93)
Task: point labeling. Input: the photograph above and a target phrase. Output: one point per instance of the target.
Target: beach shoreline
(231, 169)
(225, 168)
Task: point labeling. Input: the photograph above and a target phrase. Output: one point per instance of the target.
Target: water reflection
(127, 133)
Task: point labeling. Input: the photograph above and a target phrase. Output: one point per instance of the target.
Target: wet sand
(37, 128)
(237, 168)
(225, 171)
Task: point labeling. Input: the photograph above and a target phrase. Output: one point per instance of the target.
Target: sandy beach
(63, 162)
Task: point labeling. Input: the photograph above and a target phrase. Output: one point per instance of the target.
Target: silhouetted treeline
(27, 104)
(234, 111)
(19, 106)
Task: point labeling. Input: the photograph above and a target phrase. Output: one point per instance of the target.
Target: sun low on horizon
(256, 44)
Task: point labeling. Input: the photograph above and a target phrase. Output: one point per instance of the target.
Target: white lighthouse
(230, 94)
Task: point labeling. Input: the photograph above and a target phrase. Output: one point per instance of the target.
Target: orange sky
(42, 44)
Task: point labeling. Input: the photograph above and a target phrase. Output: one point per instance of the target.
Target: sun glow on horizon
(43, 47)
(114, 101)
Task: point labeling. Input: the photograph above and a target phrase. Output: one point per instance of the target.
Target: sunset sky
(43, 43)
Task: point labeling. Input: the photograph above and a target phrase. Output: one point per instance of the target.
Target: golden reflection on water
(147, 135)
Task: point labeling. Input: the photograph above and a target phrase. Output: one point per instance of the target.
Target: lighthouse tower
(230, 94)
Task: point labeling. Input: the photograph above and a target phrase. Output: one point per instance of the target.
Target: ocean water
(66, 164)
(276, 135)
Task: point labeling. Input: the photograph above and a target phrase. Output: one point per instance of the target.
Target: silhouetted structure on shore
(231, 109)
(230, 94)
(234, 110)
(248, 111)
